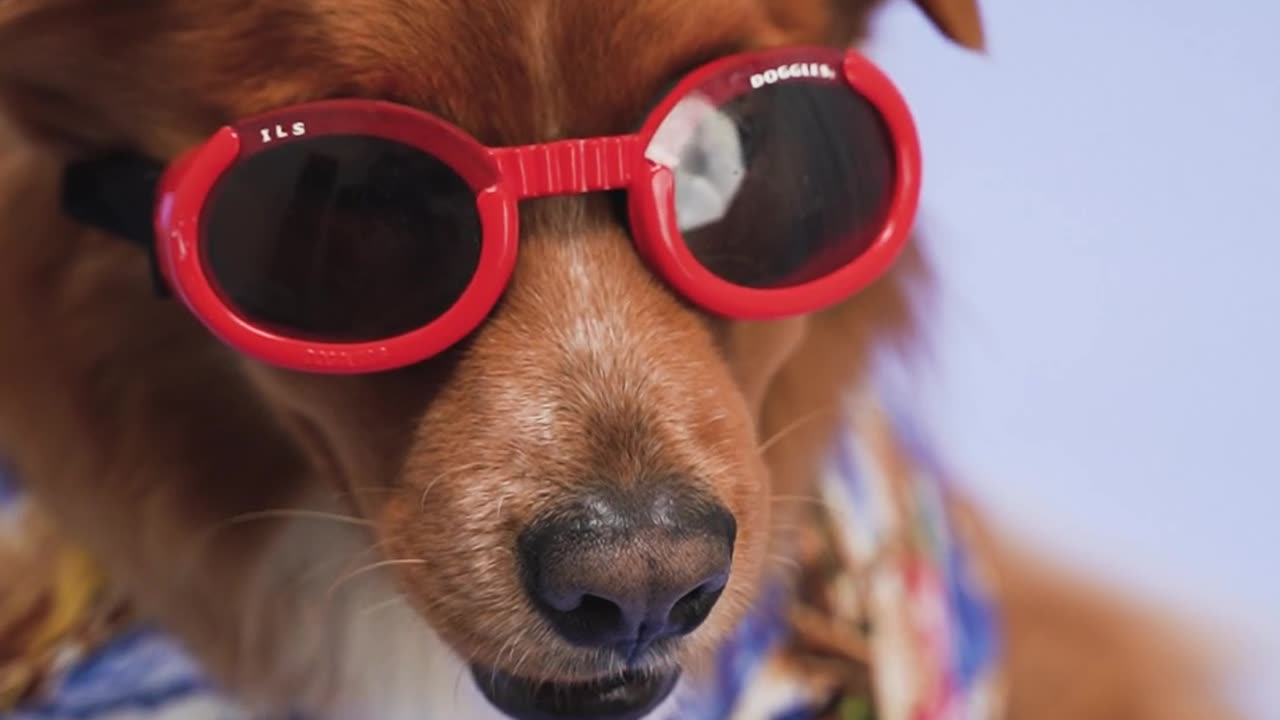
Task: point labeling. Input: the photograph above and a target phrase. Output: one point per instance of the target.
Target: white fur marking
(385, 660)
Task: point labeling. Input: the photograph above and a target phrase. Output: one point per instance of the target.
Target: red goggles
(357, 236)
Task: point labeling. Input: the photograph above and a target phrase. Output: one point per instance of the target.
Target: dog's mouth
(629, 696)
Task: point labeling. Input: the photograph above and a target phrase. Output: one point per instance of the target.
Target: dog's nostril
(625, 574)
(690, 610)
(597, 612)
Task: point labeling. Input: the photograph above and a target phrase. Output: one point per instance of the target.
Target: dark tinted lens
(782, 185)
(342, 238)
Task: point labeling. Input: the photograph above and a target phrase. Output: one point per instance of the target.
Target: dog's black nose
(623, 570)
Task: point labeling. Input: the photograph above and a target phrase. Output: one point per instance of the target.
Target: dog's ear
(845, 21)
(960, 20)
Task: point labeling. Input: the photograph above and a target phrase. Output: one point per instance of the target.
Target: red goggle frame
(499, 178)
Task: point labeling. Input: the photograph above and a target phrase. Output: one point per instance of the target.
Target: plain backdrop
(1102, 198)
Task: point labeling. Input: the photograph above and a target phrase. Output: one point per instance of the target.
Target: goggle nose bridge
(571, 167)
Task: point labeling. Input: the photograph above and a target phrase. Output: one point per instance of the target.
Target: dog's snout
(623, 571)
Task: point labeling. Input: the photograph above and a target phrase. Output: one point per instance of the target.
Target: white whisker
(289, 514)
(368, 569)
(498, 515)
(470, 467)
(378, 607)
(795, 425)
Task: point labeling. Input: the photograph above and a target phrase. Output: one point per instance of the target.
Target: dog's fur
(202, 480)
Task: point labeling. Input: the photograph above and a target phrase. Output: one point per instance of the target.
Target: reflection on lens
(780, 186)
(342, 238)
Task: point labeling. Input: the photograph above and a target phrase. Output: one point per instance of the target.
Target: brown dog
(154, 445)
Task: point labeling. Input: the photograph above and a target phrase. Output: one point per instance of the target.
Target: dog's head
(579, 487)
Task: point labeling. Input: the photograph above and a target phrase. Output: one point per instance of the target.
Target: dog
(259, 513)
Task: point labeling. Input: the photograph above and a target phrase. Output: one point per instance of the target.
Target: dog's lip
(629, 696)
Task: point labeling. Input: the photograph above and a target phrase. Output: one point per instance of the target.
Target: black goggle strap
(117, 193)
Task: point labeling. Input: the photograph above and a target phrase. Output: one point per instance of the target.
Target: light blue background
(1103, 202)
